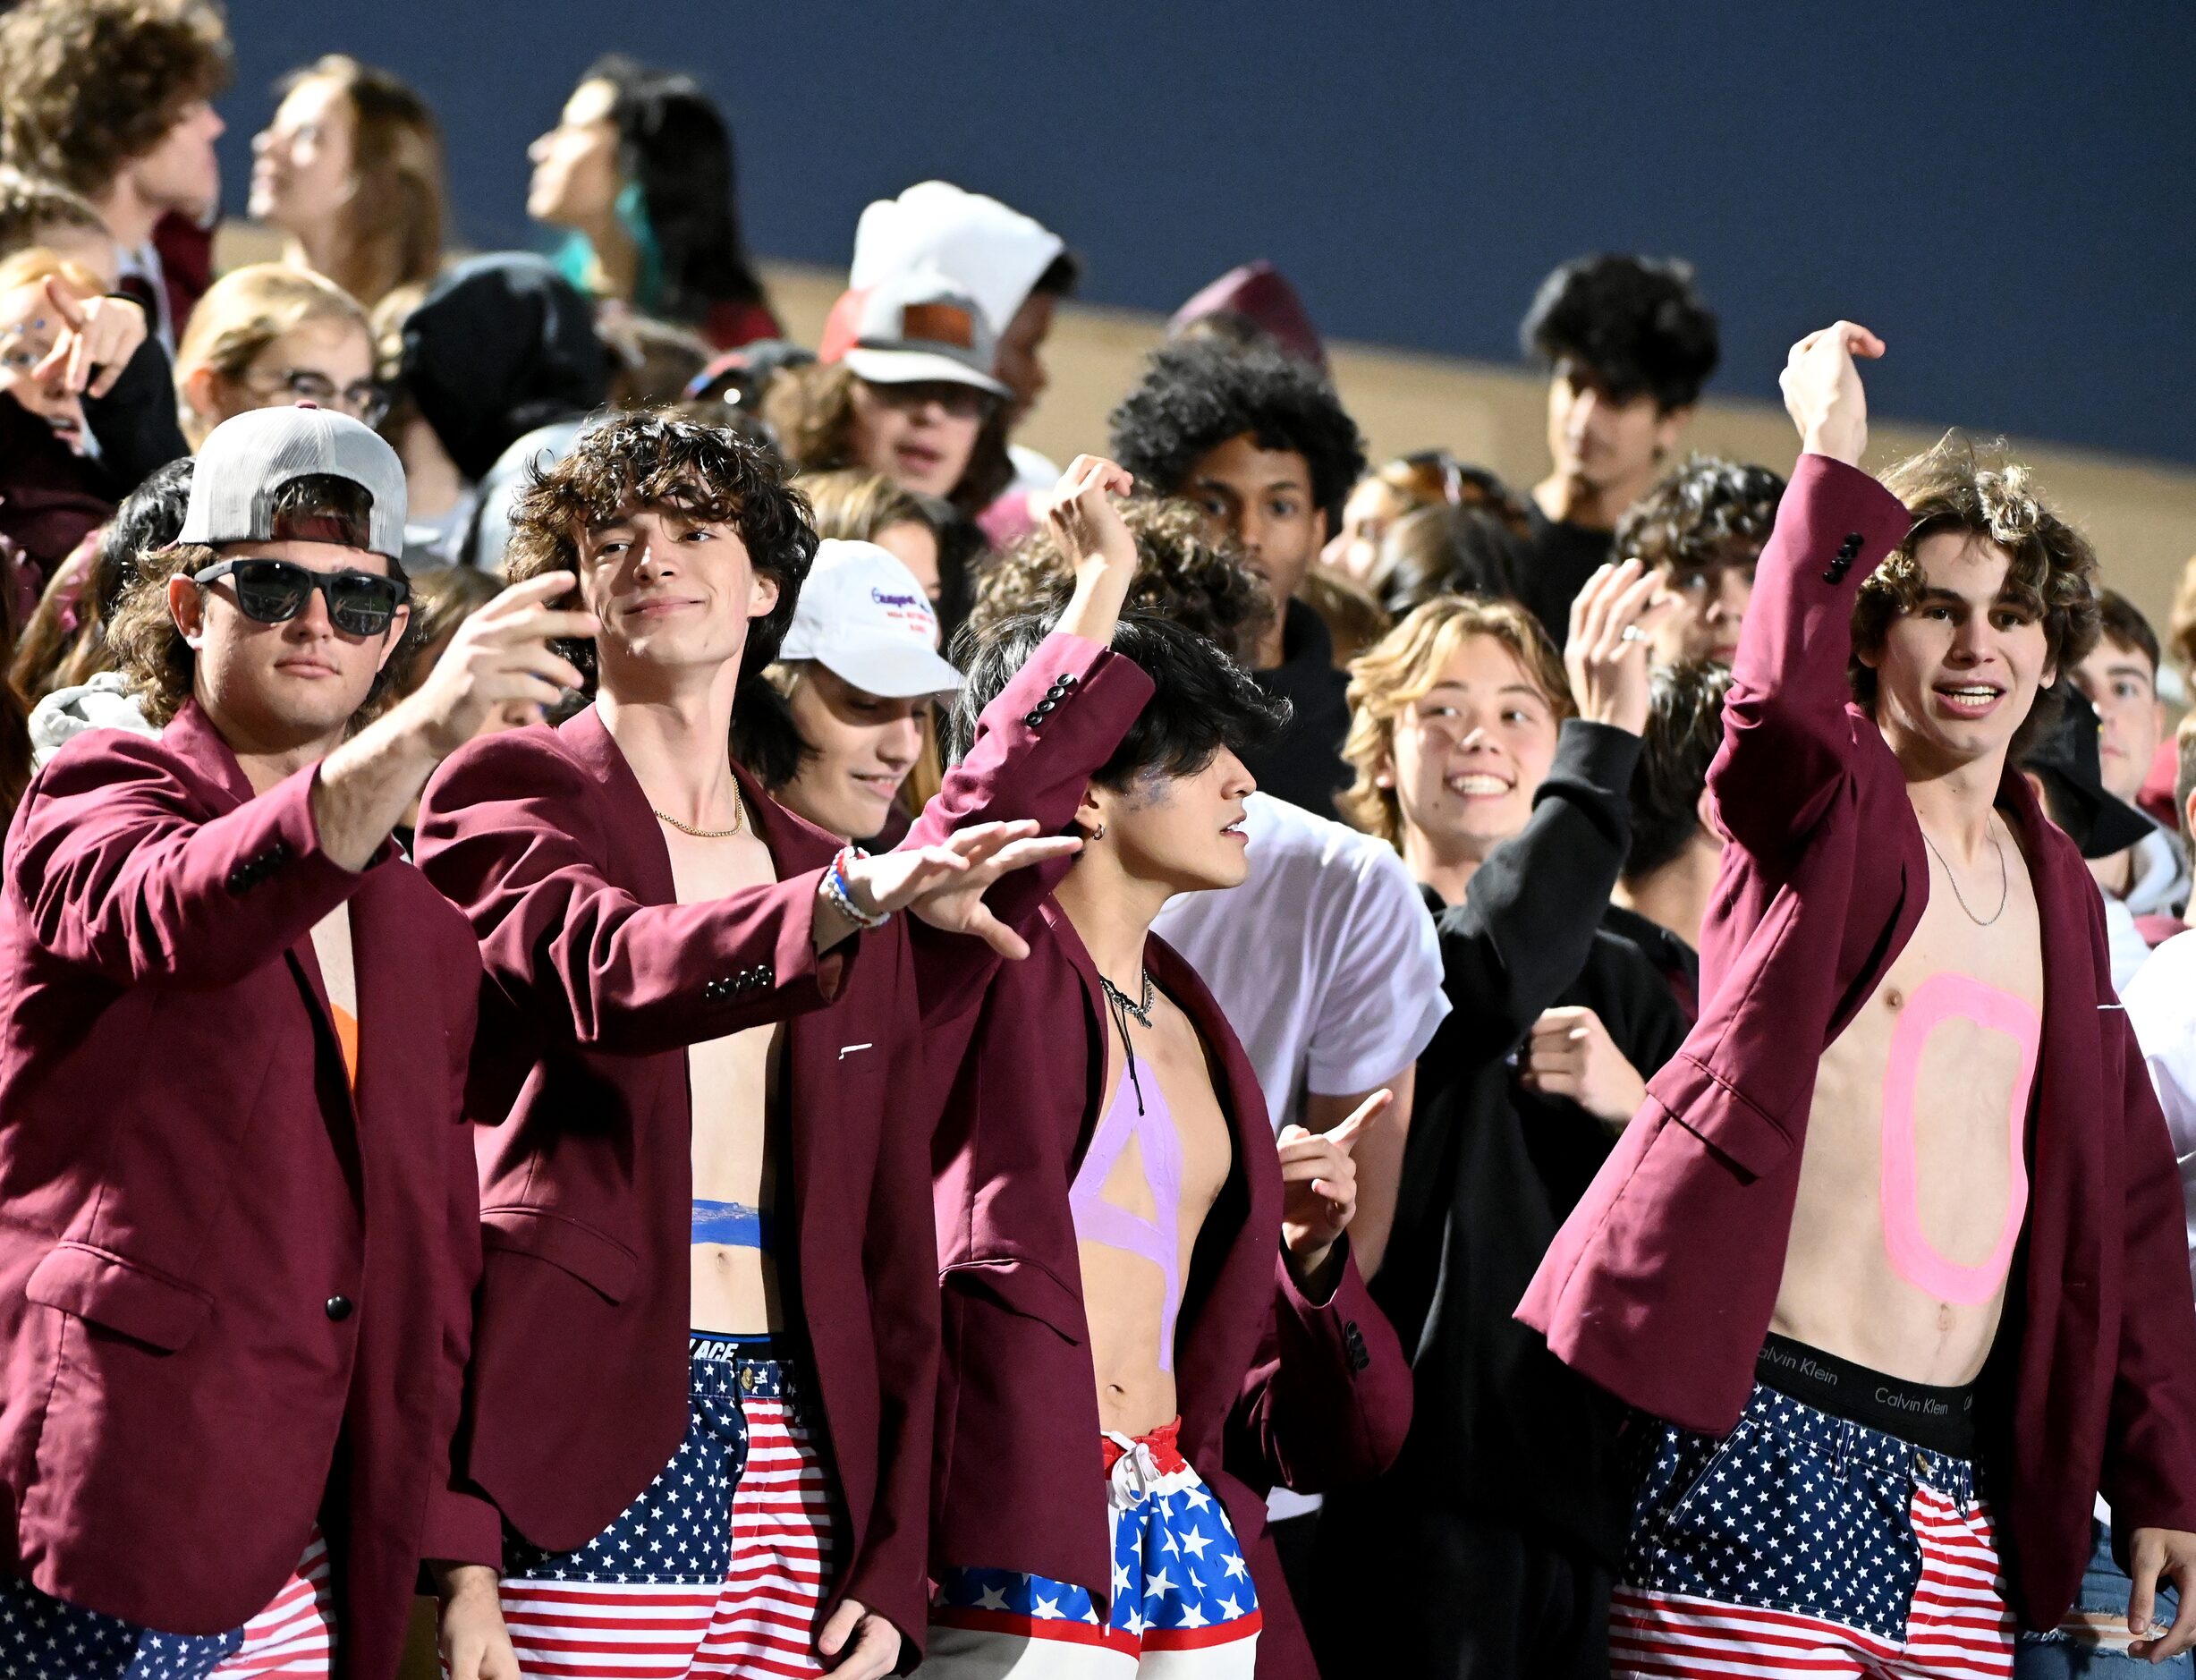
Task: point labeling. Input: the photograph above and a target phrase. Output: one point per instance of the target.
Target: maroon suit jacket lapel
(192, 734)
(795, 847)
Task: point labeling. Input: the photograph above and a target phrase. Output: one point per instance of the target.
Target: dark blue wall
(2006, 192)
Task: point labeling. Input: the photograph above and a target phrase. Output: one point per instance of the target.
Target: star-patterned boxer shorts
(41, 1638)
(719, 1568)
(1181, 1607)
(1808, 1543)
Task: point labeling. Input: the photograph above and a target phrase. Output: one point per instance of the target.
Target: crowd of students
(661, 988)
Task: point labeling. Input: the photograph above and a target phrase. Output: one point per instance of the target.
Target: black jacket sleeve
(1530, 912)
(135, 422)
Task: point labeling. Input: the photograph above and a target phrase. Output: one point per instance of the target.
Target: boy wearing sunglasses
(238, 1230)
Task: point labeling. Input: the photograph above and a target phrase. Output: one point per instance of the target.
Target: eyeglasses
(275, 591)
(962, 402)
(365, 401)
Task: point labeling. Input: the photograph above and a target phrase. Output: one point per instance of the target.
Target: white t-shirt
(2161, 1007)
(1325, 960)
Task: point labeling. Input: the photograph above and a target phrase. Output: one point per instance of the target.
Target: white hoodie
(101, 703)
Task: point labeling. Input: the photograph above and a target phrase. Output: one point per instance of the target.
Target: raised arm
(1786, 734)
(1059, 719)
(509, 832)
(117, 868)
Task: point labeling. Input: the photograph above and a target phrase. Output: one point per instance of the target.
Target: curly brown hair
(1403, 664)
(86, 86)
(149, 646)
(811, 409)
(654, 460)
(1180, 575)
(1958, 487)
(1706, 511)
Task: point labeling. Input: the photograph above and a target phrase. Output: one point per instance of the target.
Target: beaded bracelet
(840, 899)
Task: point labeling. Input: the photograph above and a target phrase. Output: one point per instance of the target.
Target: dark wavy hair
(1197, 393)
(1959, 487)
(64, 643)
(87, 86)
(652, 460)
(1706, 511)
(1684, 727)
(1201, 700)
(1448, 550)
(1203, 586)
(674, 144)
(1635, 324)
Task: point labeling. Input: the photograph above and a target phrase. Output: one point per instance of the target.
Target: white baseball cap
(923, 327)
(994, 253)
(249, 457)
(863, 617)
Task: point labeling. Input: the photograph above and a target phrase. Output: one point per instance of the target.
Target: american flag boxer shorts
(293, 1638)
(1807, 1542)
(1183, 1605)
(719, 1568)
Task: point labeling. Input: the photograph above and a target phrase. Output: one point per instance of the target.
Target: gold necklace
(739, 821)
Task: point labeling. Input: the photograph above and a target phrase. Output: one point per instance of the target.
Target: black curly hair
(1201, 585)
(1197, 393)
(1636, 324)
(1684, 727)
(1201, 700)
(1708, 512)
(652, 460)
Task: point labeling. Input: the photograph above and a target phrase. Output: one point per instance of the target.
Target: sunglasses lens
(270, 592)
(362, 605)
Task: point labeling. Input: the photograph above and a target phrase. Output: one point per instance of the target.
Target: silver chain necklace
(1120, 1000)
(2005, 880)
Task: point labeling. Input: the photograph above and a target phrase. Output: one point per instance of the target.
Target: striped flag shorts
(1806, 1543)
(722, 1564)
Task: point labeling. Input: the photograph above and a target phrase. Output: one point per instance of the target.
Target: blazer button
(239, 880)
(1033, 719)
(1068, 679)
(338, 1308)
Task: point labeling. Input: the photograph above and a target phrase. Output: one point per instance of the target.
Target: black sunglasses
(275, 591)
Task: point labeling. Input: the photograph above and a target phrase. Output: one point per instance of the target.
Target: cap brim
(917, 367)
(892, 668)
(2103, 824)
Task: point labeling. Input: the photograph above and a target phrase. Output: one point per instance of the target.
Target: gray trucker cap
(246, 460)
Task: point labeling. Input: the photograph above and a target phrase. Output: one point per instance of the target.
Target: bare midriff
(1913, 1187)
(1139, 1199)
(731, 1082)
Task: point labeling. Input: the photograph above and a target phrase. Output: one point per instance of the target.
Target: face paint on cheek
(1939, 999)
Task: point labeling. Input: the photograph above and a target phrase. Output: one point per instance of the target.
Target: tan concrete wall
(2141, 515)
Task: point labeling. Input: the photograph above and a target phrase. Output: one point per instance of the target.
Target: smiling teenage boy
(1892, 1255)
(236, 1191)
(708, 1318)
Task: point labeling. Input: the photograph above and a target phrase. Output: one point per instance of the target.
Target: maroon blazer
(212, 1261)
(1661, 1284)
(600, 982)
(1273, 1387)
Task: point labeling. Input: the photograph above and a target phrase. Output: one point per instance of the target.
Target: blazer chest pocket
(1720, 1118)
(1026, 1289)
(118, 1294)
(600, 1261)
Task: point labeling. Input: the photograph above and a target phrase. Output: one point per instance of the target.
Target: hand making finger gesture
(1318, 1183)
(499, 666)
(1822, 390)
(1611, 632)
(97, 337)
